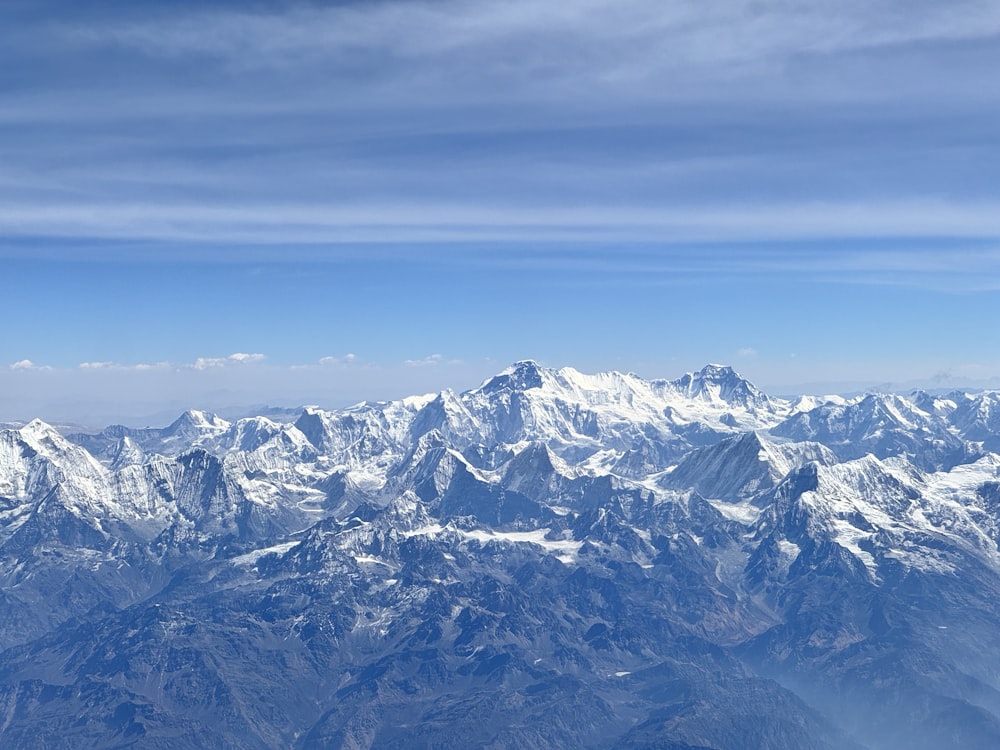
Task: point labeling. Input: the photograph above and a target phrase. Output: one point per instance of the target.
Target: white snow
(743, 513)
(565, 549)
(251, 558)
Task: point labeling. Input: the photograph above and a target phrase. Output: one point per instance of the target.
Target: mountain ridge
(476, 560)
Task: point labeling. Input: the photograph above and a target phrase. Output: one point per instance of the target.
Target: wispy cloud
(592, 38)
(199, 364)
(347, 359)
(387, 223)
(517, 122)
(136, 367)
(428, 361)
(232, 362)
(239, 358)
(112, 391)
(336, 363)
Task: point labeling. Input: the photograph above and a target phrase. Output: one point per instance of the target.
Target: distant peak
(712, 373)
(38, 427)
(523, 366)
(38, 433)
(519, 376)
(715, 382)
(715, 371)
(199, 420)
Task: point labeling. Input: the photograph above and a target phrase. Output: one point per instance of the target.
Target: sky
(227, 204)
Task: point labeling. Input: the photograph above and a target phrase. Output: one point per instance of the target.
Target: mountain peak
(521, 375)
(715, 382)
(715, 367)
(195, 419)
(36, 425)
(524, 368)
(38, 433)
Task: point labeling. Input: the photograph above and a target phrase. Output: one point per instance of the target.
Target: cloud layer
(408, 122)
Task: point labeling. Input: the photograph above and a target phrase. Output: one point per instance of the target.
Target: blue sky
(364, 200)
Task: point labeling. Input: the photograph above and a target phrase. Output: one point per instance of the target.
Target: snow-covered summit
(537, 403)
(519, 376)
(195, 423)
(721, 384)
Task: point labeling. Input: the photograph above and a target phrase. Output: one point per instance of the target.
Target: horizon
(167, 414)
(225, 204)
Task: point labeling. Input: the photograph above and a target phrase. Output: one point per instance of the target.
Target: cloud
(408, 223)
(345, 360)
(609, 41)
(428, 361)
(449, 121)
(125, 394)
(433, 360)
(117, 366)
(204, 363)
(242, 357)
(27, 364)
(746, 351)
(239, 358)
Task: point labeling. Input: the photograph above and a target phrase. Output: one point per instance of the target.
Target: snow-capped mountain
(552, 559)
(883, 425)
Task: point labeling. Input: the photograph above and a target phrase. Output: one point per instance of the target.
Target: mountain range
(550, 560)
